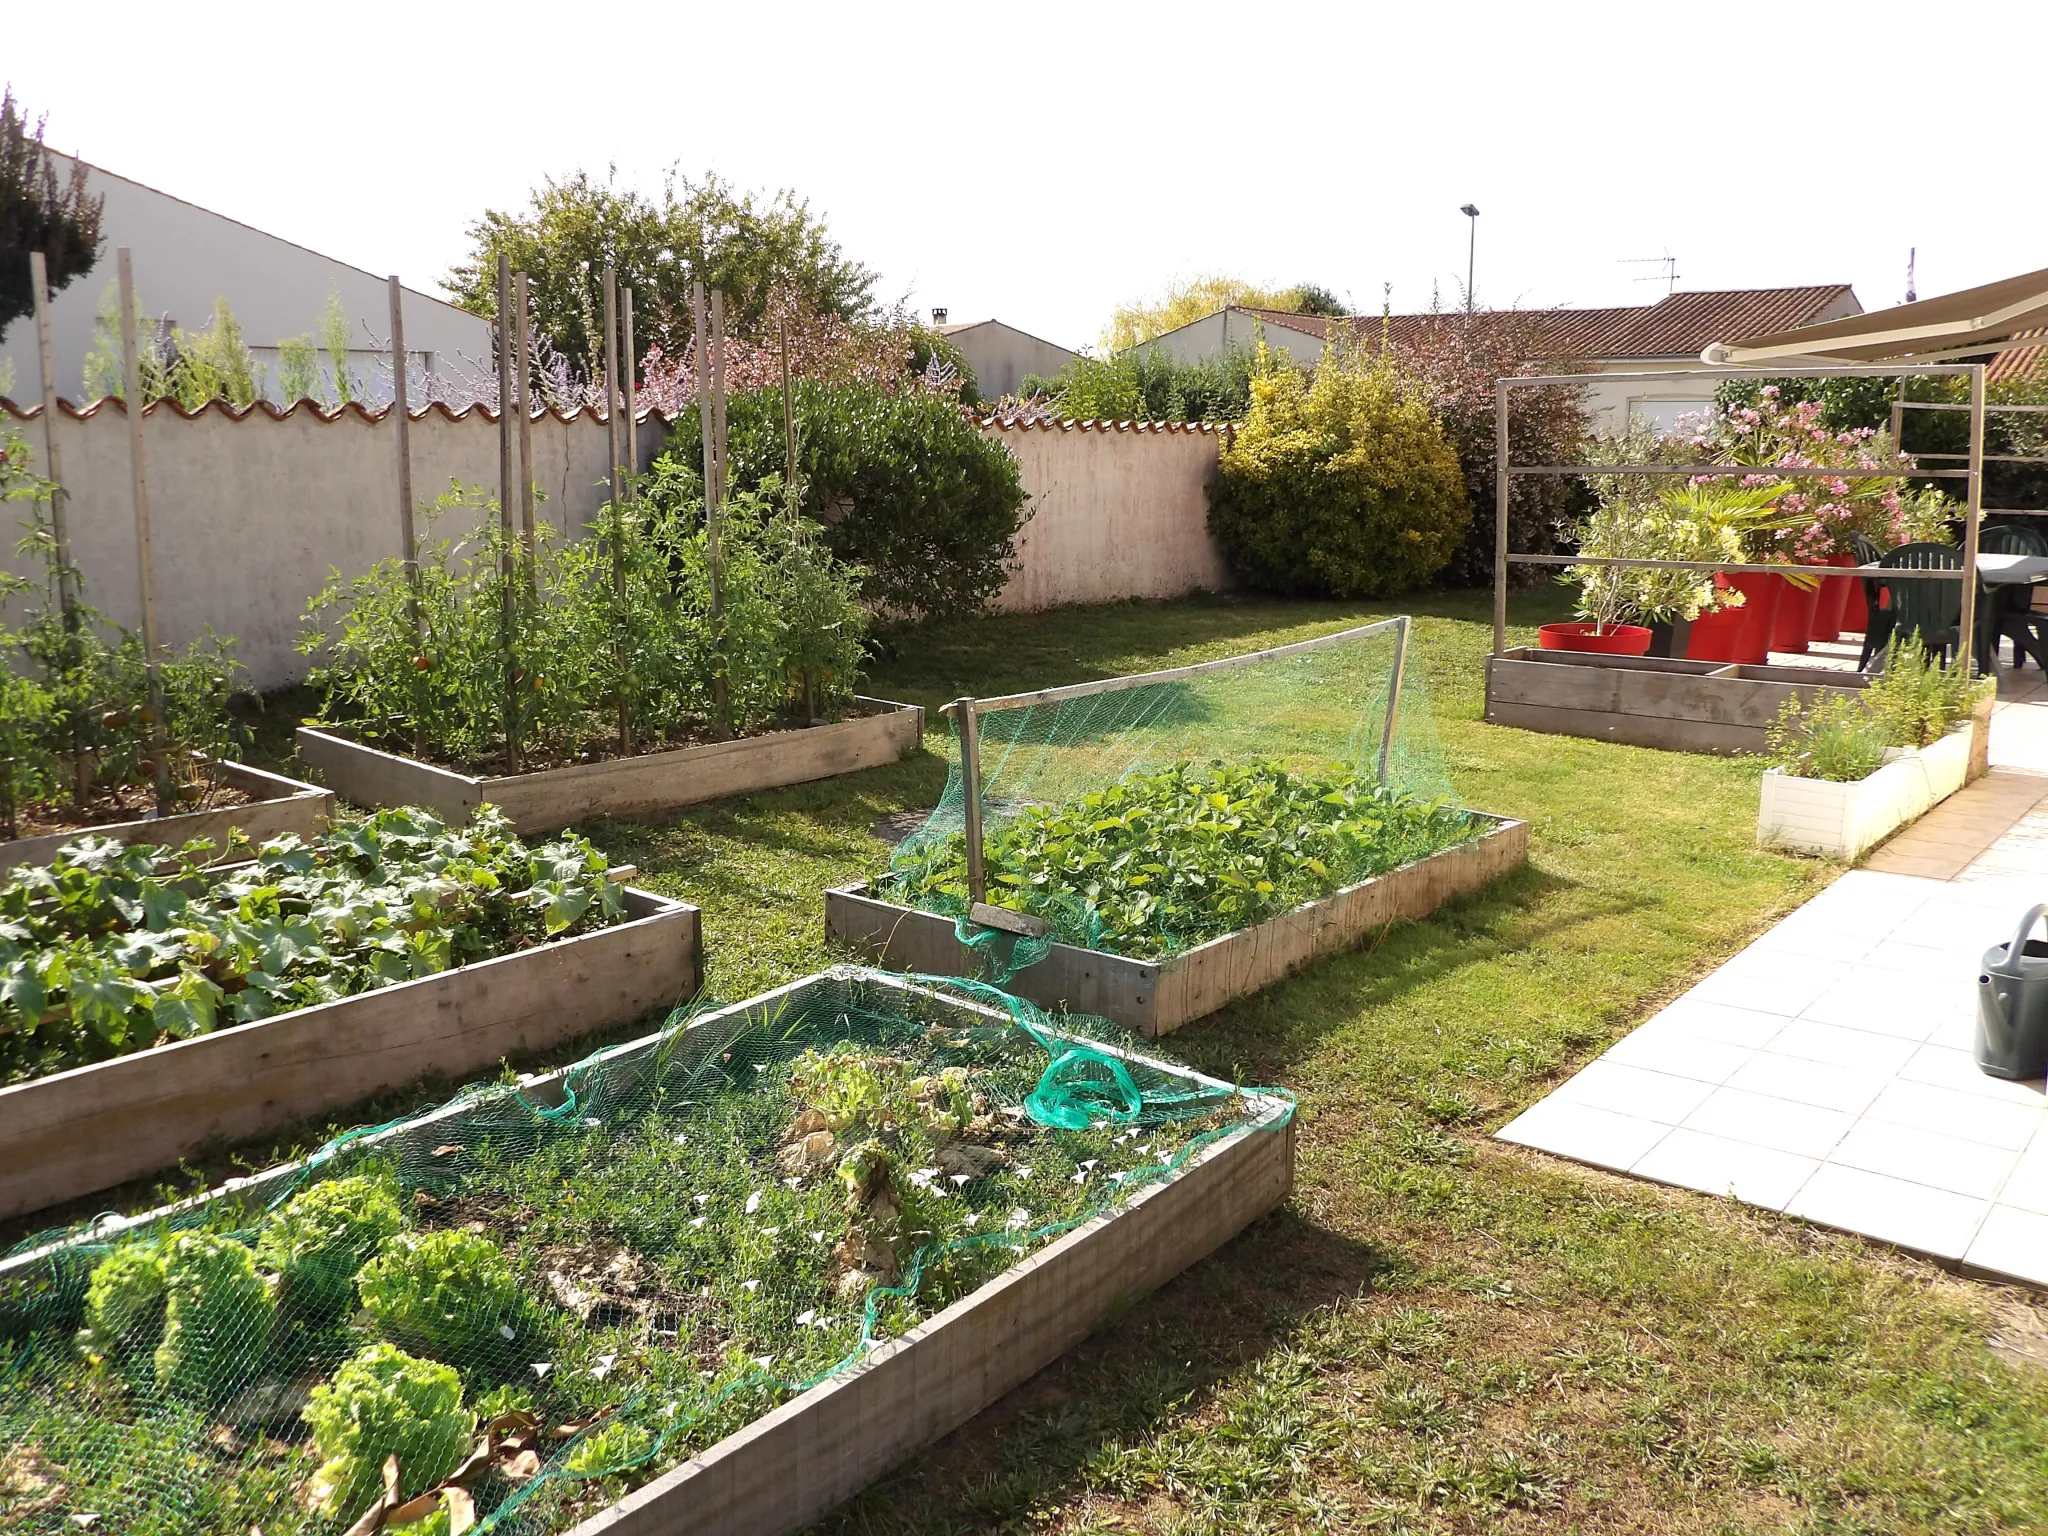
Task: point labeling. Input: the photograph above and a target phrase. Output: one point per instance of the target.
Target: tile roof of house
(1676, 326)
(2020, 362)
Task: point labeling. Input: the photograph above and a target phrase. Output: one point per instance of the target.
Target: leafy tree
(39, 214)
(750, 245)
(1192, 298)
(1151, 385)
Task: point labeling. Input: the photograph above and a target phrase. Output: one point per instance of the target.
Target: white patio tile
(1809, 1082)
(2026, 1187)
(1954, 1034)
(1925, 1157)
(1770, 981)
(1724, 1023)
(1627, 1090)
(1860, 1049)
(1953, 1067)
(2012, 1242)
(1584, 1133)
(1717, 1166)
(1662, 1050)
(1914, 1216)
(1968, 927)
(1893, 1003)
(1761, 1121)
(1972, 1116)
(1951, 966)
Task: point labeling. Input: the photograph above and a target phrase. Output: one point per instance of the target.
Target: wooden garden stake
(401, 427)
(131, 363)
(789, 488)
(53, 471)
(626, 382)
(711, 412)
(523, 304)
(508, 576)
(618, 528)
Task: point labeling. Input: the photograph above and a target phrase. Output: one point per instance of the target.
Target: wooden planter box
(1649, 701)
(798, 1462)
(75, 1132)
(278, 805)
(648, 785)
(1844, 821)
(1155, 997)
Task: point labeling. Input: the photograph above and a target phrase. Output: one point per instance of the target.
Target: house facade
(1001, 355)
(186, 257)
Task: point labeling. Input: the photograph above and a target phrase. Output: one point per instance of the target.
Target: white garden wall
(250, 511)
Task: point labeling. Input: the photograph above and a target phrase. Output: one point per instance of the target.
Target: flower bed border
(1846, 820)
(800, 1461)
(1155, 997)
(92, 1127)
(277, 805)
(653, 782)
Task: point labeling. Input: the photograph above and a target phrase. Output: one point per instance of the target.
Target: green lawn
(1440, 1333)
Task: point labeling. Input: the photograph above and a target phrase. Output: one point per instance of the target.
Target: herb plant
(114, 949)
(1842, 737)
(1160, 861)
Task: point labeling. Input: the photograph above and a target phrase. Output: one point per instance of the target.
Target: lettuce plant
(380, 1404)
(217, 1314)
(124, 1302)
(447, 1295)
(323, 1236)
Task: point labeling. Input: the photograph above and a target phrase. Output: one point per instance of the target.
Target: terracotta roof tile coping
(1034, 424)
(34, 410)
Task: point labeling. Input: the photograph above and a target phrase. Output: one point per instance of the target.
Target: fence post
(401, 428)
(524, 343)
(145, 563)
(626, 390)
(508, 575)
(969, 728)
(617, 533)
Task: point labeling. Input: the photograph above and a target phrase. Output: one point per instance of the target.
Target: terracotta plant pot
(1792, 629)
(1738, 634)
(1614, 640)
(1831, 612)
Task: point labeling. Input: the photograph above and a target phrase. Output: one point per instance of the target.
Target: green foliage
(1151, 385)
(789, 644)
(217, 1314)
(334, 339)
(39, 214)
(324, 1234)
(1344, 486)
(385, 1403)
(753, 247)
(1161, 861)
(114, 949)
(298, 371)
(124, 1303)
(190, 367)
(904, 483)
(1913, 702)
(1193, 298)
(1917, 699)
(1834, 738)
(445, 1295)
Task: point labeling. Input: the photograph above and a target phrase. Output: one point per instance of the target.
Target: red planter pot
(1793, 626)
(1831, 612)
(1738, 634)
(1614, 640)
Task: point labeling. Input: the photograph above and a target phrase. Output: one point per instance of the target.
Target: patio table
(1993, 570)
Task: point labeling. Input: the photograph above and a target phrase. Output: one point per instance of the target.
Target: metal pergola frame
(1505, 471)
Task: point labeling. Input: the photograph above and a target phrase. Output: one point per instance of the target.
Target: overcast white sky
(1043, 163)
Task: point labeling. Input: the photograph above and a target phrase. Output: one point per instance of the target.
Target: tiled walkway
(1825, 1071)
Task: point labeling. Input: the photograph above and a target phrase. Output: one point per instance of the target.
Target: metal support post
(1966, 638)
(1500, 516)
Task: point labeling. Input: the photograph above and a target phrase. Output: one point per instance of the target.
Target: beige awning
(1994, 318)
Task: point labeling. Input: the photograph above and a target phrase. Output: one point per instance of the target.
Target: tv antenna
(1668, 277)
(1912, 257)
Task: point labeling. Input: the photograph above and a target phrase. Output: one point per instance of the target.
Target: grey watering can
(2012, 1004)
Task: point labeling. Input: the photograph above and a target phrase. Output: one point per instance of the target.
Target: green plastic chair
(1932, 610)
(2009, 610)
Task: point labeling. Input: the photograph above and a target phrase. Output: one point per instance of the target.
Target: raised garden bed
(274, 806)
(1846, 820)
(74, 1132)
(1649, 701)
(1155, 997)
(748, 1447)
(647, 785)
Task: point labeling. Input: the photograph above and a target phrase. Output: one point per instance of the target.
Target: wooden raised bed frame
(89, 1128)
(646, 785)
(277, 805)
(1155, 997)
(1649, 701)
(800, 1461)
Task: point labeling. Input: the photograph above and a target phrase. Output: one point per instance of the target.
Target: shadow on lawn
(1153, 1368)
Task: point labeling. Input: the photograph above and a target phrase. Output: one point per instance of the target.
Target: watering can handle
(2019, 940)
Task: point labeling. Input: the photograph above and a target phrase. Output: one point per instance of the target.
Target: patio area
(1825, 1071)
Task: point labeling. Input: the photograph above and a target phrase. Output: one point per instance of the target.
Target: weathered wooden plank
(1630, 730)
(553, 798)
(74, 1132)
(280, 805)
(1156, 997)
(798, 1463)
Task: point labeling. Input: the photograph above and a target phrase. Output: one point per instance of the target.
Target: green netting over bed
(1168, 809)
(512, 1309)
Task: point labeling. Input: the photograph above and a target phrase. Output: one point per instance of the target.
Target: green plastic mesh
(1158, 814)
(518, 1306)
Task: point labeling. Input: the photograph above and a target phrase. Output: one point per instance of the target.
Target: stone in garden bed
(644, 785)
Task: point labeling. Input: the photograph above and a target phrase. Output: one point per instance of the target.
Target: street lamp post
(1471, 251)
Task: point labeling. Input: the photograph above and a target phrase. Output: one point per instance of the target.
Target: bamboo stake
(508, 576)
(401, 428)
(721, 701)
(788, 420)
(618, 528)
(629, 368)
(523, 304)
(67, 576)
(131, 363)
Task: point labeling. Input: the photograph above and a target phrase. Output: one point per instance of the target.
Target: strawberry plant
(114, 949)
(1160, 861)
